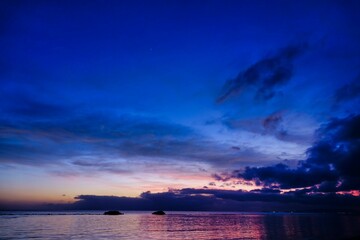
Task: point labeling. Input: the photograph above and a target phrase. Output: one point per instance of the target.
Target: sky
(180, 105)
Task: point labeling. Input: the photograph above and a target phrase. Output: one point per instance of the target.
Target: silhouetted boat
(114, 212)
(159, 213)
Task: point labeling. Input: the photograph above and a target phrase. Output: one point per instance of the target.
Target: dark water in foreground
(177, 225)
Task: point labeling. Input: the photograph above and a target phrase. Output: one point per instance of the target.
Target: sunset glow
(210, 105)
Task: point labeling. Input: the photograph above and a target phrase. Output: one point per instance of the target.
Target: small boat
(113, 212)
(159, 213)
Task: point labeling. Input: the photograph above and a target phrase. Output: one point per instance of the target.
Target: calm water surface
(175, 225)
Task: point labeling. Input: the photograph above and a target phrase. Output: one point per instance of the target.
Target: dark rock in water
(159, 213)
(113, 213)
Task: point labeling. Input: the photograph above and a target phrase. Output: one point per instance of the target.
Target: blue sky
(123, 97)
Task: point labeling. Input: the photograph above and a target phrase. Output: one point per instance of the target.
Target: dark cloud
(265, 75)
(205, 199)
(285, 177)
(221, 177)
(348, 92)
(332, 164)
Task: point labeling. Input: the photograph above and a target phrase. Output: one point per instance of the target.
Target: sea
(177, 225)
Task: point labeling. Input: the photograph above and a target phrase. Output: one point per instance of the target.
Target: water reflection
(181, 226)
(202, 226)
(314, 226)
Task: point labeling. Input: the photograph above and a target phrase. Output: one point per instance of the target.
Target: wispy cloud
(55, 137)
(265, 75)
(273, 124)
(285, 126)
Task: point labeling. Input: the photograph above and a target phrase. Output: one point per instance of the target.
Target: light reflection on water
(141, 225)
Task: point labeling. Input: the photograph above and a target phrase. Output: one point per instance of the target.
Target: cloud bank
(191, 199)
